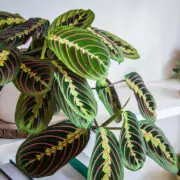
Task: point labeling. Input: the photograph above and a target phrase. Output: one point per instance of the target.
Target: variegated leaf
(158, 147)
(115, 52)
(132, 143)
(35, 77)
(19, 34)
(81, 51)
(9, 65)
(76, 91)
(105, 162)
(146, 101)
(44, 153)
(9, 20)
(33, 114)
(78, 17)
(108, 96)
(129, 51)
(73, 117)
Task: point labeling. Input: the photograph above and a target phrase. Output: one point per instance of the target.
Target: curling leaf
(115, 52)
(77, 120)
(107, 94)
(19, 34)
(33, 114)
(44, 153)
(158, 147)
(78, 17)
(9, 65)
(81, 51)
(146, 102)
(128, 51)
(35, 77)
(76, 91)
(132, 142)
(105, 162)
(9, 20)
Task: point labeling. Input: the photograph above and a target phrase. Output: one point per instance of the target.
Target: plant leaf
(81, 51)
(158, 147)
(73, 117)
(33, 114)
(44, 153)
(35, 77)
(131, 142)
(105, 162)
(108, 97)
(78, 17)
(9, 20)
(115, 52)
(9, 65)
(146, 101)
(129, 51)
(76, 91)
(19, 34)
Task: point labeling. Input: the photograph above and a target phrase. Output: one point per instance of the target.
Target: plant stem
(93, 130)
(110, 85)
(32, 51)
(111, 119)
(96, 123)
(44, 49)
(114, 128)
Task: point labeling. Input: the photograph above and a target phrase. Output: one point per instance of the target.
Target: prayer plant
(52, 75)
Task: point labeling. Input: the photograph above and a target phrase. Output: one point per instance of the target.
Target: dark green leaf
(33, 114)
(77, 120)
(76, 91)
(158, 147)
(131, 142)
(9, 20)
(81, 51)
(146, 102)
(19, 34)
(105, 162)
(35, 77)
(44, 153)
(109, 97)
(129, 51)
(78, 17)
(9, 65)
(115, 52)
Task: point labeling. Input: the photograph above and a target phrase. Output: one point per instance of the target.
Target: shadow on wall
(160, 175)
(168, 70)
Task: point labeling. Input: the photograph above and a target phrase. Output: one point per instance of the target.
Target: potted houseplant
(52, 74)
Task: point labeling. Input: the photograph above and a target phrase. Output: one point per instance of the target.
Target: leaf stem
(114, 128)
(111, 119)
(44, 49)
(110, 85)
(96, 123)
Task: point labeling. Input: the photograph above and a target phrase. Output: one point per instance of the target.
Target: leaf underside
(109, 97)
(132, 142)
(44, 153)
(81, 51)
(158, 147)
(105, 162)
(145, 100)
